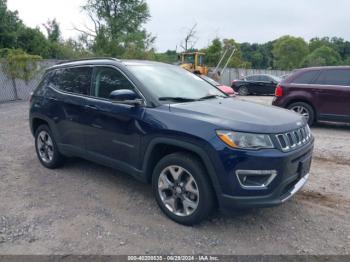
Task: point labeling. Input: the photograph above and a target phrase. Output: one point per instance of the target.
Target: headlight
(245, 140)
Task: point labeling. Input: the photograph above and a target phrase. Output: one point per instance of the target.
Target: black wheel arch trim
(49, 122)
(35, 116)
(188, 146)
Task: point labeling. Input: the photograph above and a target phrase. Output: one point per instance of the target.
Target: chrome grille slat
(294, 139)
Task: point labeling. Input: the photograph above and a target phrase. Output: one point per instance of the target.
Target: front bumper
(286, 190)
(289, 180)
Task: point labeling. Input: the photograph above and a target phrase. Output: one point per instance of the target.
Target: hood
(238, 115)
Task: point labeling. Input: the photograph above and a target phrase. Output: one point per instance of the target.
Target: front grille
(294, 139)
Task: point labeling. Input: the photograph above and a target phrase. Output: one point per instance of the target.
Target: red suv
(318, 93)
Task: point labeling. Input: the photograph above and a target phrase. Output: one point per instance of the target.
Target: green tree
(32, 41)
(170, 57)
(346, 61)
(57, 47)
(289, 52)
(214, 52)
(9, 25)
(258, 55)
(118, 27)
(341, 46)
(53, 31)
(317, 42)
(323, 56)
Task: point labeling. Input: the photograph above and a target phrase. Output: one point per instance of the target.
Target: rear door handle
(51, 98)
(91, 107)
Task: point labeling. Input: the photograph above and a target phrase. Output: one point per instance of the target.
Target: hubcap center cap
(178, 190)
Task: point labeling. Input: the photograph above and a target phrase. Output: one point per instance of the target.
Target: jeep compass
(199, 148)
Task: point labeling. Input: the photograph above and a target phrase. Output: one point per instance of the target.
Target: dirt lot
(85, 208)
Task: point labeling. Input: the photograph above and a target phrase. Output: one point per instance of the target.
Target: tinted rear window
(74, 80)
(306, 77)
(339, 77)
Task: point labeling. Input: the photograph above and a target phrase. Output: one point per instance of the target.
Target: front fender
(188, 145)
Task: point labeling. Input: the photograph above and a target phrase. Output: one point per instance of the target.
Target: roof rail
(87, 59)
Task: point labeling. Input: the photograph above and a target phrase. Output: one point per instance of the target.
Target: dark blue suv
(161, 124)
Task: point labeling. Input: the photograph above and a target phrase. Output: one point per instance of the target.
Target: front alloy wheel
(182, 188)
(178, 190)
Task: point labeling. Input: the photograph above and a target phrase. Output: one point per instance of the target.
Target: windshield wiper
(176, 99)
(210, 97)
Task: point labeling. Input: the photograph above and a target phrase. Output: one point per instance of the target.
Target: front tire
(46, 148)
(182, 188)
(305, 110)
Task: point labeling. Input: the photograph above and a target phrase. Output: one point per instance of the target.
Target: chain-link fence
(20, 90)
(11, 90)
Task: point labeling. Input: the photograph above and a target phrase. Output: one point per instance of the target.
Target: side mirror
(125, 96)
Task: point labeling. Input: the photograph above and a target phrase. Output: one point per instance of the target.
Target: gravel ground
(84, 208)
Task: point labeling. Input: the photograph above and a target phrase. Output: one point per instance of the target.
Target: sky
(254, 21)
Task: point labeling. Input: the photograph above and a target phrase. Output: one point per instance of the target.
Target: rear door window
(306, 77)
(73, 80)
(339, 77)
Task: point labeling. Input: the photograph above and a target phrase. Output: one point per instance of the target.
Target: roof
(141, 62)
(324, 67)
(105, 61)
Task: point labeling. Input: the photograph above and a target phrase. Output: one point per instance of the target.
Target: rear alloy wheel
(305, 110)
(243, 91)
(46, 148)
(182, 189)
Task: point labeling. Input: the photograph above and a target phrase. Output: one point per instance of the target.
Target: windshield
(173, 82)
(210, 80)
(189, 59)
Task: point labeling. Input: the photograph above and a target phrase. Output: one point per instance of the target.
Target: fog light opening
(255, 179)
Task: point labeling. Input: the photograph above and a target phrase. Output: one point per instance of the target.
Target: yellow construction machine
(194, 62)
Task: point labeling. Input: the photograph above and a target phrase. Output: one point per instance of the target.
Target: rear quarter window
(307, 77)
(340, 77)
(45, 80)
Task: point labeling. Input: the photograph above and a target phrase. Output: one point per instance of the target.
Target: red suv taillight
(279, 91)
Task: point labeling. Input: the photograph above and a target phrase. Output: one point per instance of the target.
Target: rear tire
(182, 188)
(243, 91)
(305, 110)
(46, 148)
